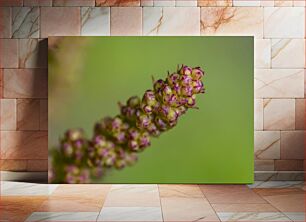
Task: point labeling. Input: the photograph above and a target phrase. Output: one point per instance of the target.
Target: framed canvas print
(151, 109)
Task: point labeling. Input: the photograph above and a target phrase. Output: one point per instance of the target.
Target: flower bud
(185, 70)
(197, 73)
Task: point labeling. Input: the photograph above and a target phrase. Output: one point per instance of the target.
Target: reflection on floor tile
(133, 196)
(63, 216)
(277, 184)
(130, 214)
(262, 207)
(295, 216)
(9, 188)
(253, 216)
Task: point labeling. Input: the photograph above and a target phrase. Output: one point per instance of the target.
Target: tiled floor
(261, 201)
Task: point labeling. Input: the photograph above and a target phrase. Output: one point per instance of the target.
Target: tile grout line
(161, 208)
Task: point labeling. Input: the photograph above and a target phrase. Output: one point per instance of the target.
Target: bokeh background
(111, 69)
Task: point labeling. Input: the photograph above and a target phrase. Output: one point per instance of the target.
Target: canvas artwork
(151, 109)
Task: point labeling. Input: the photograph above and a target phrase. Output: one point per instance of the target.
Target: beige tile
(283, 50)
(37, 165)
(247, 3)
(262, 207)
(118, 3)
(160, 21)
(186, 3)
(229, 194)
(174, 190)
(8, 114)
(13, 165)
(262, 53)
(207, 3)
(92, 191)
(37, 2)
(187, 209)
(258, 114)
(278, 22)
(73, 2)
(279, 83)
(25, 22)
(232, 21)
(24, 144)
(8, 53)
(1, 83)
(5, 22)
(25, 83)
(133, 196)
(4, 3)
(146, 2)
(279, 114)
(289, 165)
(292, 144)
(163, 3)
(95, 21)
(52, 16)
(299, 3)
(28, 114)
(263, 165)
(43, 114)
(304, 83)
(126, 21)
(252, 216)
(267, 145)
(267, 3)
(33, 53)
(279, 3)
(300, 114)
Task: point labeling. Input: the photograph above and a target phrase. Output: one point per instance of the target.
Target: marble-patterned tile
(186, 3)
(283, 50)
(73, 2)
(304, 83)
(230, 194)
(292, 144)
(277, 184)
(13, 165)
(8, 53)
(211, 3)
(267, 145)
(279, 175)
(253, 216)
(299, 3)
(278, 22)
(263, 207)
(279, 83)
(187, 209)
(63, 216)
(146, 3)
(24, 144)
(169, 20)
(124, 3)
(8, 114)
(27, 114)
(10, 188)
(71, 204)
(258, 114)
(5, 3)
(300, 114)
(37, 165)
(279, 114)
(130, 214)
(267, 3)
(283, 3)
(263, 165)
(133, 196)
(33, 53)
(262, 53)
(1, 83)
(164, 3)
(25, 83)
(43, 114)
(289, 165)
(247, 3)
(5, 22)
(232, 21)
(37, 2)
(25, 22)
(184, 191)
(18, 208)
(126, 21)
(52, 16)
(285, 200)
(95, 21)
(295, 216)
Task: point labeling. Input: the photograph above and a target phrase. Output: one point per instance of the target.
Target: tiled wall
(278, 27)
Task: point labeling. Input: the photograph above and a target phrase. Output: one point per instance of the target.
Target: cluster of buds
(117, 140)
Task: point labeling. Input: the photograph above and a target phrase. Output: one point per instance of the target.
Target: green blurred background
(211, 145)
